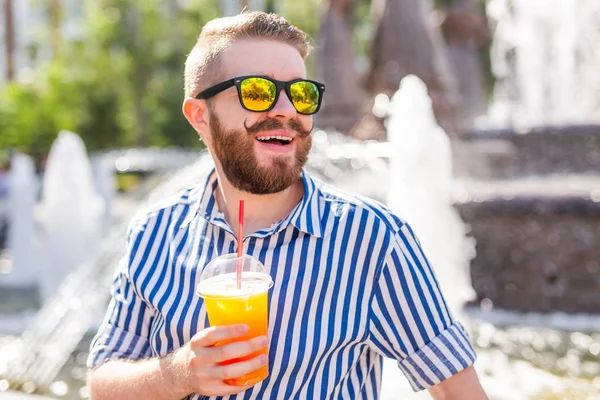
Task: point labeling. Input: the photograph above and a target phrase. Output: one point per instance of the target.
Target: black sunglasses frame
(280, 85)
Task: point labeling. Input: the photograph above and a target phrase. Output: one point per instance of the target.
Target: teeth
(283, 138)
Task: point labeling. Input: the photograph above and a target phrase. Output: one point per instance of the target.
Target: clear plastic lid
(219, 277)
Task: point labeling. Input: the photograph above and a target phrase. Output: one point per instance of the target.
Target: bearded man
(351, 283)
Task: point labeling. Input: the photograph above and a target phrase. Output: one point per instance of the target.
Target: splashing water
(545, 56)
(21, 236)
(421, 185)
(71, 211)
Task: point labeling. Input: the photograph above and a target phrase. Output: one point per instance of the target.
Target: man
(351, 284)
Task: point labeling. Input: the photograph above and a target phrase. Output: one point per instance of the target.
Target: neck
(260, 211)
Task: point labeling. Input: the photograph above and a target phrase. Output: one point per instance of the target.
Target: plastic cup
(228, 305)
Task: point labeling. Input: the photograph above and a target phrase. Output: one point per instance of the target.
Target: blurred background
(477, 121)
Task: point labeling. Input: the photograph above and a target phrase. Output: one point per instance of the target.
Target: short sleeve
(410, 321)
(124, 333)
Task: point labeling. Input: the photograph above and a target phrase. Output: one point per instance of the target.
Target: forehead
(263, 57)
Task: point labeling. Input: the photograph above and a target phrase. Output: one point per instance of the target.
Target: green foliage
(28, 120)
(306, 15)
(119, 83)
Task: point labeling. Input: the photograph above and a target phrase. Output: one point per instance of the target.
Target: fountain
(71, 211)
(420, 189)
(24, 262)
(530, 187)
(545, 56)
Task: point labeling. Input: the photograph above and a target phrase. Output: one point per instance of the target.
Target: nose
(283, 108)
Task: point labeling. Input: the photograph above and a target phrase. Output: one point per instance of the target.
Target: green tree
(120, 83)
(154, 37)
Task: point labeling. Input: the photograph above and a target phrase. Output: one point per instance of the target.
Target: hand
(201, 358)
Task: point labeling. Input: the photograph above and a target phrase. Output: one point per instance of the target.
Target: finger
(210, 336)
(241, 368)
(236, 350)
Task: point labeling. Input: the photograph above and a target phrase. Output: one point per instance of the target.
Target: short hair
(202, 64)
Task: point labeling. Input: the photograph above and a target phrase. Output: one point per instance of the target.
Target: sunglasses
(260, 94)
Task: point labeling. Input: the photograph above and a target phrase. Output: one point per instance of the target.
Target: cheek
(232, 115)
(306, 121)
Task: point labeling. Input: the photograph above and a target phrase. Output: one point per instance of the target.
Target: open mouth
(276, 140)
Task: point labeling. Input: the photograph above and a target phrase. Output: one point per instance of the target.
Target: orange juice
(227, 305)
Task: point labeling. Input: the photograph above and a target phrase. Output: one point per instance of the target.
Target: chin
(276, 161)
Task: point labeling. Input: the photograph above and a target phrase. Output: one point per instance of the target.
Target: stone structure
(544, 151)
(533, 203)
(537, 250)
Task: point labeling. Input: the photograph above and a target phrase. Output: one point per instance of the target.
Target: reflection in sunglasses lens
(305, 97)
(258, 94)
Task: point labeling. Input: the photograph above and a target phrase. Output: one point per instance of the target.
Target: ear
(196, 112)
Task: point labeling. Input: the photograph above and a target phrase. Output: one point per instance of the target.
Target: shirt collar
(305, 217)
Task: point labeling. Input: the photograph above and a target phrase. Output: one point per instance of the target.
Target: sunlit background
(478, 121)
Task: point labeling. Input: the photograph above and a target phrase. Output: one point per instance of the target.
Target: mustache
(272, 124)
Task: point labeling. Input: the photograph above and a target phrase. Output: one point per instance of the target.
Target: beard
(234, 148)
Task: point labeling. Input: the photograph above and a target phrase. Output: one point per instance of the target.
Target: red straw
(240, 244)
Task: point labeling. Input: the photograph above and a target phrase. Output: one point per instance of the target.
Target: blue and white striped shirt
(351, 286)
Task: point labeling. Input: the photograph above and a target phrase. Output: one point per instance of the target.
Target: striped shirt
(351, 286)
